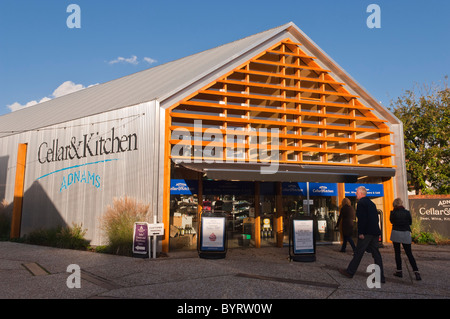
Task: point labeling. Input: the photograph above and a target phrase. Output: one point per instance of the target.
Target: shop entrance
(250, 208)
(323, 207)
(257, 212)
(325, 211)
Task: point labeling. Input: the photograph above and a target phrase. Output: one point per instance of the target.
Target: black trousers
(369, 243)
(398, 258)
(350, 241)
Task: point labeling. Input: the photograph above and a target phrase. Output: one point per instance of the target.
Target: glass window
(240, 217)
(183, 222)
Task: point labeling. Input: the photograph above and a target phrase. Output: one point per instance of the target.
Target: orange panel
(18, 191)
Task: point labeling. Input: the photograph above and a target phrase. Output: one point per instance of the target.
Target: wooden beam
(279, 233)
(293, 77)
(294, 66)
(388, 199)
(208, 105)
(287, 88)
(292, 54)
(257, 215)
(303, 100)
(290, 136)
(220, 119)
(18, 191)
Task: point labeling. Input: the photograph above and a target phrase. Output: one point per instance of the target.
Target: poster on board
(140, 239)
(303, 236)
(213, 234)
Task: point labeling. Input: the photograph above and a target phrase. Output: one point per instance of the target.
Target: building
(258, 128)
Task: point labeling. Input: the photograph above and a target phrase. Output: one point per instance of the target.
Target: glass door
(325, 211)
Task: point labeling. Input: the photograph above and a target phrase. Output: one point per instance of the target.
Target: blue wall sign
(183, 187)
(293, 189)
(315, 189)
(190, 187)
(373, 190)
(323, 189)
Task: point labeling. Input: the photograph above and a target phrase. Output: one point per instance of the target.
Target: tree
(426, 123)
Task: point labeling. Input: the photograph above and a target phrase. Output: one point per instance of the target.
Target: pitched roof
(165, 83)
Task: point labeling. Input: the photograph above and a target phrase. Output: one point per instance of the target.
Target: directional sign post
(141, 238)
(155, 230)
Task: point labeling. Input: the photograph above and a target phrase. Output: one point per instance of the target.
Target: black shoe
(398, 273)
(345, 273)
(417, 275)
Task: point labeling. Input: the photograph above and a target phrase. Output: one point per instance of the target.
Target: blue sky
(41, 58)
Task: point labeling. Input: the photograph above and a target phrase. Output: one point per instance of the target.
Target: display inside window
(240, 217)
(184, 223)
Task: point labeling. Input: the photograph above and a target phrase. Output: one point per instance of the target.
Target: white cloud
(149, 60)
(132, 60)
(65, 88)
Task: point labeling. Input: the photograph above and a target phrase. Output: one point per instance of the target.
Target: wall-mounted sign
(183, 187)
(89, 145)
(293, 189)
(315, 189)
(373, 190)
(323, 189)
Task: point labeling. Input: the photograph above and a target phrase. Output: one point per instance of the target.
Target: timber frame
(319, 121)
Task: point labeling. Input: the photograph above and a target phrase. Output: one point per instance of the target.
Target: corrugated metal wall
(75, 169)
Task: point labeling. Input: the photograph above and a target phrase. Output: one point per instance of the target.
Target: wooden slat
(224, 145)
(280, 111)
(291, 42)
(292, 77)
(280, 99)
(294, 66)
(292, 54)
(286, 136)
(277, 123)
(287, 88)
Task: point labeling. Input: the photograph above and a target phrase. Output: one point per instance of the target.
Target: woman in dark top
(347, 216)
(401, 234)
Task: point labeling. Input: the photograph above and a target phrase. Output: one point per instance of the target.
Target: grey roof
(166, 83)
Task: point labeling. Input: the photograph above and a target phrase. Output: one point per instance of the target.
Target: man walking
(368, 233)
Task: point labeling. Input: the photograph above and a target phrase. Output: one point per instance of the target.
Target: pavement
(36, 272)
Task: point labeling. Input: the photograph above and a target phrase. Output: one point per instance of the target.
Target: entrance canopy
(286, 172)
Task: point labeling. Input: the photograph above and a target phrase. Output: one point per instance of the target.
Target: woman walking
(401, 234)
(347, 216)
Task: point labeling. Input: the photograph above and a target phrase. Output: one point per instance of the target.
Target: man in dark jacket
(368, 234)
